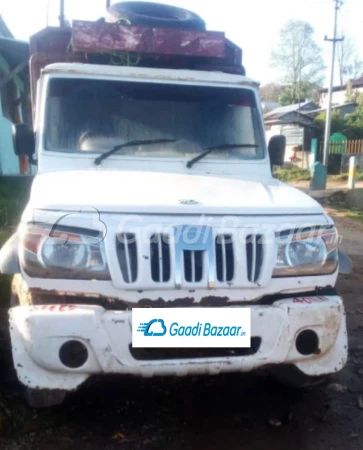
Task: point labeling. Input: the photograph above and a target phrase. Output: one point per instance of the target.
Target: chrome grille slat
(224, 256)
(128, 264)
(253, 275)
(193, 265)
(160, 263)
(254, 256)
(192, 257)
(127, 256)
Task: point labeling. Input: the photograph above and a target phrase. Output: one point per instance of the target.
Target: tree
(299, 93)
(349, 65)
(354, 121)
(337, 123)
(299, 59)
(351, 125)
(271, 92)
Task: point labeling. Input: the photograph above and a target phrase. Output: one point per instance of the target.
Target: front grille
(224, 258)
(254, 254)
(193, 265)
(221, 261)
(127, 256)
(160, 258)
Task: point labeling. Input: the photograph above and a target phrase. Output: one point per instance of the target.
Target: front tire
(291, 376)
(44, 398)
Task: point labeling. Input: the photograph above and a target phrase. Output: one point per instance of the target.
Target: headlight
(307, 253)
(68, 253)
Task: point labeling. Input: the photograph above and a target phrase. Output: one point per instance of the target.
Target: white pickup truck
(127, 155)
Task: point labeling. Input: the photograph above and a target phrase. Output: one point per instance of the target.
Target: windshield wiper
(115, 149)
(217, 147)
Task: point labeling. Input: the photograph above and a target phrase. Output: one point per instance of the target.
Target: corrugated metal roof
(289, 117)
(287, 109)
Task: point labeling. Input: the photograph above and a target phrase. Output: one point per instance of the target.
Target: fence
(350, 147)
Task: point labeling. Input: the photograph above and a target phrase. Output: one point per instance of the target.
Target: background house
(343, 110)
(14, 94)
(294, 122)
(340, 93)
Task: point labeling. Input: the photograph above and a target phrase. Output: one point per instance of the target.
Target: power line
(334, 40)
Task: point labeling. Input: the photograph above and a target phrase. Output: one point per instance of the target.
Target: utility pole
(338, 4)
(62, 21)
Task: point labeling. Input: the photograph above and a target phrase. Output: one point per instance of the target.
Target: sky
(254, 25)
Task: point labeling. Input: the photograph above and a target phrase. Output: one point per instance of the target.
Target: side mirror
(24, 141)
(276, 150)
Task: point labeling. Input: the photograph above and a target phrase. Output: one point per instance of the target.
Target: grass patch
(338, 178)
(297, 174)
(293, 174)
(356, 215)
(14, 195)
(344, 177)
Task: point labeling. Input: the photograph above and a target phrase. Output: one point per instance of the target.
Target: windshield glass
(92, 116)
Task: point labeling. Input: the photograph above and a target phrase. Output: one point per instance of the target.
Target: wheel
(36, 398)
(154, 15)
(291, 376)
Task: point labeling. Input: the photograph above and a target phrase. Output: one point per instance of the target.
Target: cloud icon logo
(155, 327)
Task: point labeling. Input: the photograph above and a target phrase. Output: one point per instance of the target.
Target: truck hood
(165, 193)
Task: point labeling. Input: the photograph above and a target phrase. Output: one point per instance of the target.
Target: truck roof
(147, 73)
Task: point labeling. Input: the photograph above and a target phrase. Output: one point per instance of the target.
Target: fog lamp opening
(73, 354)
(307, 343)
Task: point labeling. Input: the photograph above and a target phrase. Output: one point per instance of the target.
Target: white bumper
(38, 332)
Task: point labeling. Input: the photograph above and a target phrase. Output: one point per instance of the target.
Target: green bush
(293, 174)
(14, 194)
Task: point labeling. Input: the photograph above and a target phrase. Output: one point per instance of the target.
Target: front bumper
(38, 333)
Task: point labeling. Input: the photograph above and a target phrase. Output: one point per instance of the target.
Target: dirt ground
(225, 412)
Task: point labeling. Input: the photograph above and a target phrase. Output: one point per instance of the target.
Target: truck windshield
(93, 116)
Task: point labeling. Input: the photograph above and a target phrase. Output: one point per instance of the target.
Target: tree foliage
(271, 92)
(351, 125)
(354, 121)
(299, 60)
(337, 123)
(349, 65)
(299, 93)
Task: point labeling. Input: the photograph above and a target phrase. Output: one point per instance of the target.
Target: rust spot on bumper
(214, 301)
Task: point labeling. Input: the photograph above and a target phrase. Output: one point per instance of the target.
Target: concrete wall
(339, 97)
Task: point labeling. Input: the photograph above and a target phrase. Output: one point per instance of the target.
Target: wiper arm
(115, 149)
(208, 150)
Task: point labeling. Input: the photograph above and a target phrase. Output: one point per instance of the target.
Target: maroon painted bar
(95, 37)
